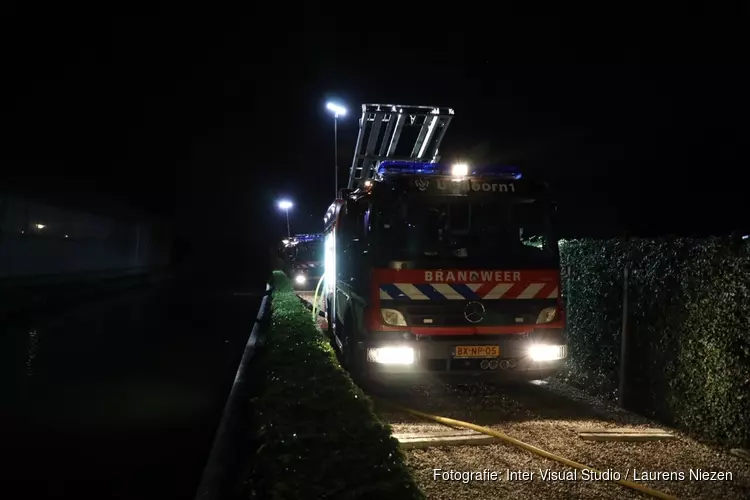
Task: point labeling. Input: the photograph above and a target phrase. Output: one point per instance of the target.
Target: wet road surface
(120, 398)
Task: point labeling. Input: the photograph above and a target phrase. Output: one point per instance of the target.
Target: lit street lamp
(337, 111)
(285, 205)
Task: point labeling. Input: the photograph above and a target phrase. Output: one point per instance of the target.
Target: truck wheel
(339, 351)
(329, 322)
(354, 360)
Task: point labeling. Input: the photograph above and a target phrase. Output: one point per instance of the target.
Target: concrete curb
(409, 441)
(423, 442)
(214, 478)
(623, 434)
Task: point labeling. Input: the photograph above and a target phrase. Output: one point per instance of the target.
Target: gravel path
(547, 416)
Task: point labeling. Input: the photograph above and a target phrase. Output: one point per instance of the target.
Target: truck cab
(435, 269)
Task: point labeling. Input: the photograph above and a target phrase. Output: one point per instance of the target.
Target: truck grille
(497, 312)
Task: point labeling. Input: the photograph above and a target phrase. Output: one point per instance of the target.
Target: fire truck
(303, 255)
(434, 269)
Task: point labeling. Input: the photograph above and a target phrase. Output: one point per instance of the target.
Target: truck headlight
(300, 279)
(393, 317)
(547, 352)
(391, 355)
(547, 315)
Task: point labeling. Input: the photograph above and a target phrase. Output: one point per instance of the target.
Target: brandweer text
(471, 276)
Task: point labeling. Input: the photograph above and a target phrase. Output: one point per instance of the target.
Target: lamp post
(285, 205)
(337, 111)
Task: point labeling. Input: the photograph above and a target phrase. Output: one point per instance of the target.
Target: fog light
(300, 279)
(544, 352)
(391, 355)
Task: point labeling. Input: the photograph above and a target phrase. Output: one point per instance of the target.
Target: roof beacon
(460, 170)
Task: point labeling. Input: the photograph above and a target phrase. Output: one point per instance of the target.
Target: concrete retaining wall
(41, 240)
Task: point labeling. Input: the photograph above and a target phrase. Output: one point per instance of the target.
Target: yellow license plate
(477, 351)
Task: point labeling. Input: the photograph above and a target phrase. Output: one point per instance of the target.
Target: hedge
(688, 329)
(317, 434)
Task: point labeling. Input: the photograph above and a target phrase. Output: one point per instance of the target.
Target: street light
(285, 205)
(337, 111)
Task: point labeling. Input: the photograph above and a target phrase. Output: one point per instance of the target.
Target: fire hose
(315, 299)
(535, 450)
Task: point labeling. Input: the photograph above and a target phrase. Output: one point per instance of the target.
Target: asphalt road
(120, 398)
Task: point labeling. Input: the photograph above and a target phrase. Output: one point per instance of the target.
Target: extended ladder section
(396, 132)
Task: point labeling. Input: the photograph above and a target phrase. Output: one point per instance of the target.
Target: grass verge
(317, 435)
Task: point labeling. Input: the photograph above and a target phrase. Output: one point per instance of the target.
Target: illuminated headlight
(300, 279)
(391, 355)
(392, 317)
(545, 352)
(460, 170)
(547, 315)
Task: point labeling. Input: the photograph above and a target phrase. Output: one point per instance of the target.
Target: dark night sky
(208, 124)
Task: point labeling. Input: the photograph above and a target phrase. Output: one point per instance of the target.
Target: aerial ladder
(393, 132)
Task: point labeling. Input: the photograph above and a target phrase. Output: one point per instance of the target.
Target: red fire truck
(304, 259)
(435, 269)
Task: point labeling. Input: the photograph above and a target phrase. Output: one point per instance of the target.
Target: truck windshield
(309, 251)
(459, 230)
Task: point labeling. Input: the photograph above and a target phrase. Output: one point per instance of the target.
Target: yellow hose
(315, 300)
(534, 449)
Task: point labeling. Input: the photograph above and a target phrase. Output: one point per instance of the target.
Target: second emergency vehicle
(304, 259)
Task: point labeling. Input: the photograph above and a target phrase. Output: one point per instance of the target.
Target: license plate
(477, 351)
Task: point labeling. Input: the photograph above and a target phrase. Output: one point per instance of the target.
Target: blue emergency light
(408, 167)
(428, 168)
(304, 238)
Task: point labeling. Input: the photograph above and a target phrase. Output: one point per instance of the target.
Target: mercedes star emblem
(474, 312)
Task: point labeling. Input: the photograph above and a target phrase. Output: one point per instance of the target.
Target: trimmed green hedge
(688, 327)
(317, 434)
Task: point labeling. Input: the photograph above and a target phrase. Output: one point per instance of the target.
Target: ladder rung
(426, 126)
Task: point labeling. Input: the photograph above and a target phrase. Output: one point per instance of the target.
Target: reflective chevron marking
(530, 291)
(498, 291)
(307, 265)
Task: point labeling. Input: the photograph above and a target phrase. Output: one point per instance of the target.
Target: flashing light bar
(407, 167)
(461, 169)
(302, 238)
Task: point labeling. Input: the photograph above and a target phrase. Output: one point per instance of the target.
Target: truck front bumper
(471, 357)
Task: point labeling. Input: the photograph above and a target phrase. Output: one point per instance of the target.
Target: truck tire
(353, 358)
(329, 322)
